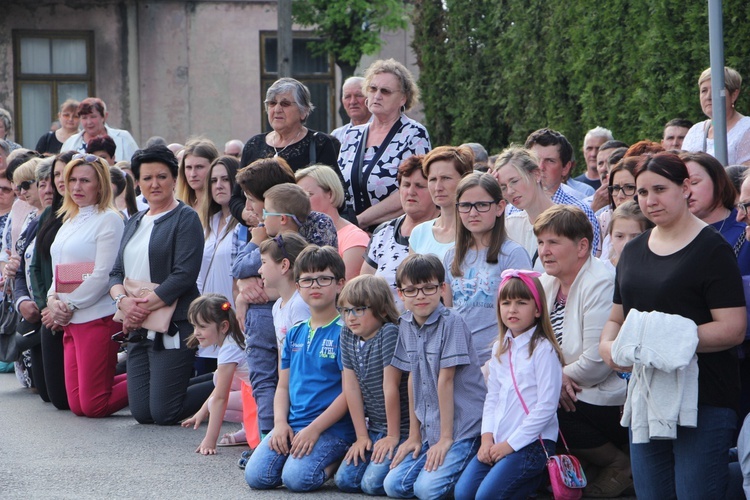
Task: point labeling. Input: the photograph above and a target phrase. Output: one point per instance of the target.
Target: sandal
(230, 439)
(610, 483)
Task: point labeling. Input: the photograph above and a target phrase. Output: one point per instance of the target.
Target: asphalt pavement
(52, 454)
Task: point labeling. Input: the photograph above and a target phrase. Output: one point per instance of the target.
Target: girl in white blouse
(523, 389)
(91, 232)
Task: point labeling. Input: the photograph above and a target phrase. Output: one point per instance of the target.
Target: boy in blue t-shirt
(447, 387)
(312, 428)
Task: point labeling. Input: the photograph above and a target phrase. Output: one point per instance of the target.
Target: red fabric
(250, 415)
(90, 361)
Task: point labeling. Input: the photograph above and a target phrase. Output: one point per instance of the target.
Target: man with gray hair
(481, 159)
(591, 143)
(353, 100)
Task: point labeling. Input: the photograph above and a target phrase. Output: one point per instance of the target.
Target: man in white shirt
(353, 99)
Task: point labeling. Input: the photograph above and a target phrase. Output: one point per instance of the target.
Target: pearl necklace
(290, 143)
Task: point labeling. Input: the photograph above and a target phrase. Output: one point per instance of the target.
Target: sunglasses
(25, 185)
(86, 157)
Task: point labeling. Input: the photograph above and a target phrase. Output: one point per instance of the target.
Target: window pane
(36, 100)
(77, 91)
(271, 56)
(318, 120)
(303, 62)
(35, 56)
(69, 56)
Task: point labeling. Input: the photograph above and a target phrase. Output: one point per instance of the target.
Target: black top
(298, 155)
(48, 143)
(690, 282)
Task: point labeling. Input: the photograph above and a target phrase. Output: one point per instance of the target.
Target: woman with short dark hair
(162, 245)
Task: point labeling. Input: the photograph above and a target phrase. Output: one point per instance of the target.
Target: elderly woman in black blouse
(162, 245)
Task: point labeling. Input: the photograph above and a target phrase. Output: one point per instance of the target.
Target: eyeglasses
(282, 246)
(414, 291)
(372, 89)
(322, 281)
(86, 158)
(465, 207)
(283, 104)
(294, 217)
(25, 185)
(627, 189)
(357, 312)
(742, 207)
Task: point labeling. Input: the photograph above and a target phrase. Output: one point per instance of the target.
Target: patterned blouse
(375, 179)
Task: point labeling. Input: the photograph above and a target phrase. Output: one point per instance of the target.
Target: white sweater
(663, 390)
(90, 236)
(586, 311)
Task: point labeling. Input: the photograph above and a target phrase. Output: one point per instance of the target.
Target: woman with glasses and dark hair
(50, 222)
(621, 189)
(163, 246)
(684, 268)
(86, 244)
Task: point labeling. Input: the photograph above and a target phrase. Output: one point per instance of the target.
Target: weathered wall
(170, 68)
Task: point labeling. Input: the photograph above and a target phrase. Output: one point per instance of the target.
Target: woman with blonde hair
(327, 196)
(87, 244)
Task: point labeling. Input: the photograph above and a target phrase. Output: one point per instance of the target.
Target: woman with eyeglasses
(621, 189)
(162, 245)
(682, 267)
(371, 153)
(288, 105)
(50, 222)
(87, 243)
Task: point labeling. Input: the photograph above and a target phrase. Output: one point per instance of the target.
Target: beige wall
(170, 68)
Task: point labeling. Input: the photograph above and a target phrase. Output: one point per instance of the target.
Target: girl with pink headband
(519, 422)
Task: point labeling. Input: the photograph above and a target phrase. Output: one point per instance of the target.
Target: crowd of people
(411, 321)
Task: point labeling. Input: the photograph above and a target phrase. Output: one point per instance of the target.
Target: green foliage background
(492, 71)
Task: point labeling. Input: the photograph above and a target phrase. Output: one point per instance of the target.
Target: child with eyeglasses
(312, 429)
(482, 253)
(381, 419)
(447, 388)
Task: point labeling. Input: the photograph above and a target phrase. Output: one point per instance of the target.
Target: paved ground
(47, 453)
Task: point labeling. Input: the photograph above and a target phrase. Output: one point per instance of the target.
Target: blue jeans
(367, 477)
(262, 361)
(515, 476)
(695, 465)
(409, 479)
(267, 469)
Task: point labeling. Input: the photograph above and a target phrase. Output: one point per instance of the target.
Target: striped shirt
(443, 341)
(556, 317)
(368, 359)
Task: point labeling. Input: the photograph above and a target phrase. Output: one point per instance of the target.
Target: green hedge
(492, 71)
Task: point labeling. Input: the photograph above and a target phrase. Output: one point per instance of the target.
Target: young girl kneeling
(523, 390)
(215, 323)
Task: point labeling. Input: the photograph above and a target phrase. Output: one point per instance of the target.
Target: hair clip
(226, 306)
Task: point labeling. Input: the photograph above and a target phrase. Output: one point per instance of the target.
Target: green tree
(493, 71)
(349, 29)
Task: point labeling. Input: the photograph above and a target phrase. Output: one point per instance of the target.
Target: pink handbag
(565, 472)
(68, 277)
(158, 320)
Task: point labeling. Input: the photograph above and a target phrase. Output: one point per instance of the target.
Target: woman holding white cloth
(683, 267)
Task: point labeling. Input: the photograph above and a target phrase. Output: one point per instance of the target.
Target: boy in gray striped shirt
(435, 348)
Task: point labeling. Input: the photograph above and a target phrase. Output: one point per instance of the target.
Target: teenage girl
(523, 390)
(481, 254)
(626, 223)
(215, 323)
